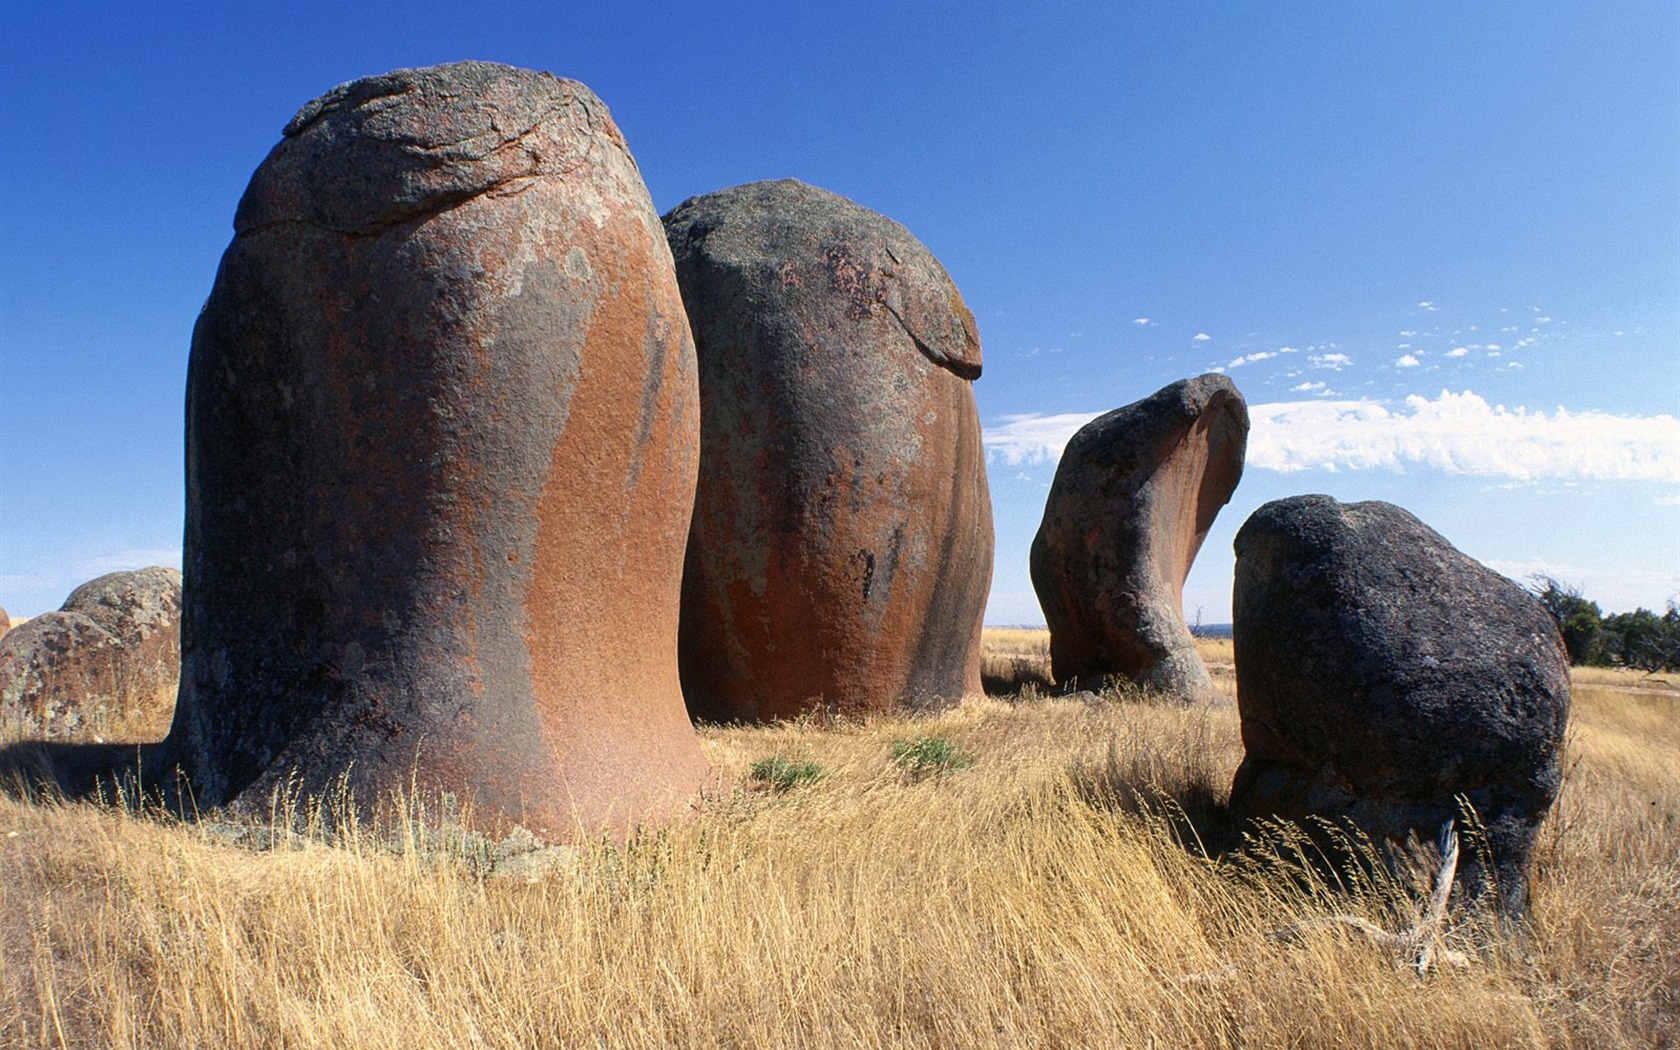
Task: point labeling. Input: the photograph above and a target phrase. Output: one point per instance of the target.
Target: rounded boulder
(1383, 676)
(107, 662)
(841, 549)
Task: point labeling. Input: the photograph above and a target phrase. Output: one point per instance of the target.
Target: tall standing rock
(107, 661)
(1134, 496)
(1381, 675)
(842, 542)
(441, 448)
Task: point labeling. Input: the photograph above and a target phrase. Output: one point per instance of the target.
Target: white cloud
(1142, 320)
(1032, 437)
(1202, 337)
(1308, 387)
(1248, 359)
(1407, 361)
(1296, 349)
(1493, 346)
(1453, 433)
(1336, 362)
(1458, 351)
(1463, 434)
(1427, 305)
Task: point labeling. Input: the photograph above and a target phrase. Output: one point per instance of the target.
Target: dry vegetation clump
(1058, 891)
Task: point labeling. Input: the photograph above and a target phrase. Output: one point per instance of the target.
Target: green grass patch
(924, 755)
(784, 773)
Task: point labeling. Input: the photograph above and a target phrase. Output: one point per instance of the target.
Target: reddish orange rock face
(1135, 493)
(441, 452)
(842, 542)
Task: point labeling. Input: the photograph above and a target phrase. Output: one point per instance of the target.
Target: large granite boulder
(1382, 675)
(107, 662)
(1134, 496)
(442, 433)
(842, 542)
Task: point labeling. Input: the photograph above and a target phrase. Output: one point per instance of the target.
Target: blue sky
(1436, 245)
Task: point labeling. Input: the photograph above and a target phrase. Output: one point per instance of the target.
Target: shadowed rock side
(5, 622)
(441, 433)
(1381, 673)
(842, 541)
(1134, 496)
(108, 658)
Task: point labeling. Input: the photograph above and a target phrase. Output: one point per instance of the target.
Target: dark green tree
(1578, 620)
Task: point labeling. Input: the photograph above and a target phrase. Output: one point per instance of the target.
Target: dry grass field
(1033, 880)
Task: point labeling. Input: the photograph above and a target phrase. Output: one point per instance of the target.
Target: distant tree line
(1640, 639)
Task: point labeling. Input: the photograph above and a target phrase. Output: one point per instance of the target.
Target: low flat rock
(1134, 496)
(1382, 675)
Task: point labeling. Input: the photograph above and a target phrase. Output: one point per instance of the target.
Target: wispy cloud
(1454, 433)
(1458, 351)
(1406, 361)
(1202, 337)
(1335, 362)
(1142, 321)
(1248, 359)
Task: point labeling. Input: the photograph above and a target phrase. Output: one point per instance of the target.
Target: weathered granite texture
(442, 431)
(107, 661)
(841, 550)
(1133, 498)
(1382, 675)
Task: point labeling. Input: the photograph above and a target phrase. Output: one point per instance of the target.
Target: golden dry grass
(1041, 897)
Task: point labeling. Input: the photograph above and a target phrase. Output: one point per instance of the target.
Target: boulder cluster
(496, 481)
(446, 465)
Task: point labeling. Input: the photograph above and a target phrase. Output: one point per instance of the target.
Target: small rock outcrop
(107, 661)
(841, 550)
(5, 622)
(442, 423)
(1134, 496)
(1382, 675)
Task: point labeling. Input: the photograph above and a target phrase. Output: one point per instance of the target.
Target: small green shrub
(782, 773)
(930, 754)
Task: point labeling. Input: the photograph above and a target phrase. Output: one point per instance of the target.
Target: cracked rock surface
(842, 541)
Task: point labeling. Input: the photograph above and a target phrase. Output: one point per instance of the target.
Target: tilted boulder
(1134, 496)
(442, 423)
(107, 660)
(841, 550)
(1381, 675)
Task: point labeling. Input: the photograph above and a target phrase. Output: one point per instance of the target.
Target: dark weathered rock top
(883, 269)
(390, 148)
